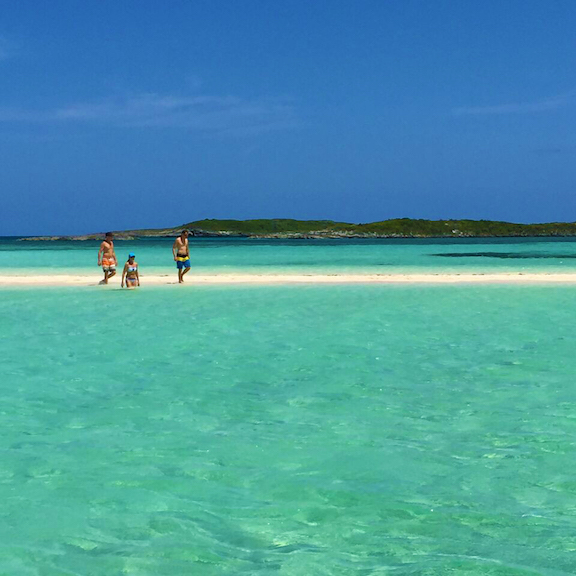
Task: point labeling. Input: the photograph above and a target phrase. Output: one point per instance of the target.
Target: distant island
(311, 229)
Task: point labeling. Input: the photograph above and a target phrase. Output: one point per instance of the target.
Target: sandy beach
(81, 280)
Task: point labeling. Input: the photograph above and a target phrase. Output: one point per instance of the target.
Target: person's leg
(185, 268)
(110, 274)
(106, 276)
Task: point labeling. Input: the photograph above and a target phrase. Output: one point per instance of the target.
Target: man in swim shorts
(181, 253)
(107, 257)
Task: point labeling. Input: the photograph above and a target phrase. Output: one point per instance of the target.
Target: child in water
(130, 272)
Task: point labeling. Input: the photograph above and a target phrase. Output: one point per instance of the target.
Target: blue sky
(131, 114)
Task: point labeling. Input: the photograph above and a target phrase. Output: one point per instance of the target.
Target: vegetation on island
(395, 228)
(399, 227)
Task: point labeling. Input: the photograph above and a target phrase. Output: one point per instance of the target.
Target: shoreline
(171, 234)
(86, 280)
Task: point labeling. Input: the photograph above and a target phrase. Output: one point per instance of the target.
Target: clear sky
(140, 113)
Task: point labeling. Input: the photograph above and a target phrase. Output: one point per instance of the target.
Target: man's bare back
(107, 249)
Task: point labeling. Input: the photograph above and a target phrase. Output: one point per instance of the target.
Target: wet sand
(80, 280)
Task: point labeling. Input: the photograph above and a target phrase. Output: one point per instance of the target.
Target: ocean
(290, 430)
(230, 255)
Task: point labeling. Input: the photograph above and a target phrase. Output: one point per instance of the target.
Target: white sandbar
(28, 280)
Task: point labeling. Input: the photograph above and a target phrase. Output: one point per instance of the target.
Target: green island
(394, 228)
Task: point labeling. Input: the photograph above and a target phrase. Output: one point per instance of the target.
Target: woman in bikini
(130, 272)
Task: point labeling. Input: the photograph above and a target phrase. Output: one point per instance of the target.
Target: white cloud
(203, 113)
(517, 108)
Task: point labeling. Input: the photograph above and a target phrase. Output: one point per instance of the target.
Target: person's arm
(187, 248)
(114, 255)
(100, 254)
(123, 275)
(137, 276)
(174, 249)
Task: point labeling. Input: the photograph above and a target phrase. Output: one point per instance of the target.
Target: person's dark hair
(185, 231)
(109, 235)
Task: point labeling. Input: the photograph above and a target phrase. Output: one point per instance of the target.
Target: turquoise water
(296, 256)
(343, 430)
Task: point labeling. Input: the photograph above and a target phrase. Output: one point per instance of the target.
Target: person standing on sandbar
(181, 253)
(107, 257)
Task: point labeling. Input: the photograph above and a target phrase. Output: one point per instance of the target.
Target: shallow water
(288, 430)
(222, 255)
